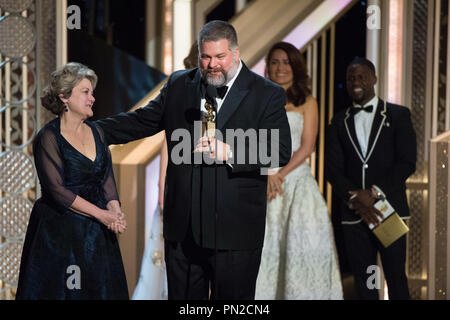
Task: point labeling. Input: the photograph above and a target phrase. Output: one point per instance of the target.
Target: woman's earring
(67, 108)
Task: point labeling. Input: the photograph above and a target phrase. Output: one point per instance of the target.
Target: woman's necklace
(77, 139)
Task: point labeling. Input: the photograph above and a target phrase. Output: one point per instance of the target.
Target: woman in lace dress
(71, 250)
(299, 258)
(152, 284)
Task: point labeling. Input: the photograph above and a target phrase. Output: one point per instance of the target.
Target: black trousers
(191, 272)
(362, 247)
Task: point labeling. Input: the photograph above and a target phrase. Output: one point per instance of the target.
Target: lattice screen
(417, 244)
(21, 62)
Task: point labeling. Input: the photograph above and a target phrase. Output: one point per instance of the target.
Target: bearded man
(214, 212)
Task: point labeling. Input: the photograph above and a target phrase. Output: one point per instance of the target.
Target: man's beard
(223, 78)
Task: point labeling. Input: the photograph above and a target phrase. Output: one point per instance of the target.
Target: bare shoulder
(310, 106)
(310, 103)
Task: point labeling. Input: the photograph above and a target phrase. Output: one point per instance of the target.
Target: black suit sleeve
(335, 162)
(274, 118)
(130, 126)
(404, 154)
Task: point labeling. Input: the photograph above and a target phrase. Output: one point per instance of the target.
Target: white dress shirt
(363, 124)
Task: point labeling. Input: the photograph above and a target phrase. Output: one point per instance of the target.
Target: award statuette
(208, 124)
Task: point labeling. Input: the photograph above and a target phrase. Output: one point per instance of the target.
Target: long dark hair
(300, 88)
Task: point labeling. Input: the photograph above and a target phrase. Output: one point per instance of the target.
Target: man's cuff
(377, 193)
(349, 203)
(230, 158)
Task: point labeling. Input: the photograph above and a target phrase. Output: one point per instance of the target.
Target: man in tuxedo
(213, 237)
(371, 148)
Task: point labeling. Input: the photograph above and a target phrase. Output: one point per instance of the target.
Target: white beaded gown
(152, 284)
(299, 260)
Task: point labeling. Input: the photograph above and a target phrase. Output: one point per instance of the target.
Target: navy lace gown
(63, 248)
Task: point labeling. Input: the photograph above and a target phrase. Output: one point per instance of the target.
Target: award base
(208, 129)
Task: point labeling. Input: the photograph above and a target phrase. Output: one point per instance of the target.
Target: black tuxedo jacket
(389, 161)
(252, 103)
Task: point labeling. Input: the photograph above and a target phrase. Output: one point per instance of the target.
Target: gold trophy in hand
(208, 125)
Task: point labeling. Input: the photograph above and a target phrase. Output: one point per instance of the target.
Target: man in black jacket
(371, 146)
(202, 245)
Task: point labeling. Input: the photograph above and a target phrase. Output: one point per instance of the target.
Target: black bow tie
(355, 110)
(221, 91)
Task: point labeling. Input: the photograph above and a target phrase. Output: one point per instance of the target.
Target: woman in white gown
(152, 283)
(299, 259)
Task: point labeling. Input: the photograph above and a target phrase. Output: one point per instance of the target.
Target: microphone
(209, 124)
(211, 105)
(211, 95)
